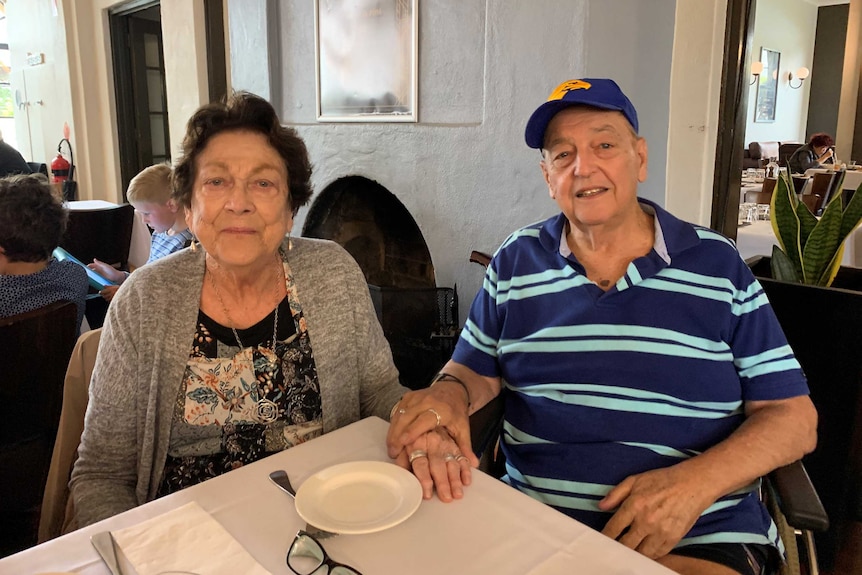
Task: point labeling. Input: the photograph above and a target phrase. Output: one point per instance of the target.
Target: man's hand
(654, 510)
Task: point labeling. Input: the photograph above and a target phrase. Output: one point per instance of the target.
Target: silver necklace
(266, 411)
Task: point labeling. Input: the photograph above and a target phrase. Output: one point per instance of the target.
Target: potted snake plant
(810, 249)
(818, 303)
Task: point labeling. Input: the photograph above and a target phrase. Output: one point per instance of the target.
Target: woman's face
(239, 207)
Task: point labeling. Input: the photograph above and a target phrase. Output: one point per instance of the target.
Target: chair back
(38, 168)
(799, 183)
(822, 184)
(812, 201)
(104, 234)
(758, 197)
(769, 186)
(36, 349)
(57, 513)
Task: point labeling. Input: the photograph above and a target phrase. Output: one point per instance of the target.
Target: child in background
(150, 194)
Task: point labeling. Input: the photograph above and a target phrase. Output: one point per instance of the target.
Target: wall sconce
(756, 71)
(801, 74)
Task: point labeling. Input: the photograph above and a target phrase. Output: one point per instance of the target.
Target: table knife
(280, 478)
(107, 549)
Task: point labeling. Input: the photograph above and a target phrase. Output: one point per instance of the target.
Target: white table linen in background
(852, 178)
(494, 529)
(758, 239)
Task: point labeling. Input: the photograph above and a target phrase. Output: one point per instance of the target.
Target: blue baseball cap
(596, 92)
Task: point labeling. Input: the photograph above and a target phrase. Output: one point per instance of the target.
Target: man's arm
(659, 507)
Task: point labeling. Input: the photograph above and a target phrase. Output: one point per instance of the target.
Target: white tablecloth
(139, 248)
(758, 239)
(493, 530)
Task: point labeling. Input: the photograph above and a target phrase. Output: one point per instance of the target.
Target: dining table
(493, 529)
(852, 176)
(139, 247)
(757, 238)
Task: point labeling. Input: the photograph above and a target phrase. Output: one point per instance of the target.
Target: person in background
(32, 222)
(11, 160)
(648, 384)
(814, 154)
(150, 194)
(247, 344)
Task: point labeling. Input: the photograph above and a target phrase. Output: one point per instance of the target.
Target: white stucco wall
(788, 26)
(463, 171)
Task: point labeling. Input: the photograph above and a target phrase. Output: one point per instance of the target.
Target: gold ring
(437, 415)
(448, 457)
(402, 411)
(461, 458)
(417, 453)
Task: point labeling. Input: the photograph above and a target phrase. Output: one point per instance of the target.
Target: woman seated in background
(813, 154)
(246, 344)
(32, 222)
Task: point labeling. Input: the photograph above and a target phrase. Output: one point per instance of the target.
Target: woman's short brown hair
(32, 218)
(243, 111)
(820, 140)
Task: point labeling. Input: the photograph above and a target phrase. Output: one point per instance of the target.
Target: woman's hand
(106, 271)
(443, 405)
(436, 461)
(108, 292)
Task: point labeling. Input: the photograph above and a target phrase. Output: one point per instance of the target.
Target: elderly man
(648, 383)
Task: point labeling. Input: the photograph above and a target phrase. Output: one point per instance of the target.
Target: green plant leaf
(832, 269)
(782, 267)
(785, 222)
(824, 241)
(807, 221)
(852, 213)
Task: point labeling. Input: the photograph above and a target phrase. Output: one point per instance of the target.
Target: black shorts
(744, 558)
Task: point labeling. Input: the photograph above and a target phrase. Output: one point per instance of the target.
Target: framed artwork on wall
(366, 60)
(767, 86)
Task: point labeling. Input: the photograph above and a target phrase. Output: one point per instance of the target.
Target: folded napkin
(185, 539)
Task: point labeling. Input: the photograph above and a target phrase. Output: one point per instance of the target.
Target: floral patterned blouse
(237, 405)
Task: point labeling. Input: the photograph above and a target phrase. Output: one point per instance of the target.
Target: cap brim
(537, 125)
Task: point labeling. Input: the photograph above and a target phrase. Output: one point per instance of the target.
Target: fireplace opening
(419, 320)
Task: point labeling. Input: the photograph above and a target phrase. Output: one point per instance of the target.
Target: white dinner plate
(358, 497)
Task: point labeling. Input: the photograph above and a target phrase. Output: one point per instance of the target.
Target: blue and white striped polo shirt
(602, 385)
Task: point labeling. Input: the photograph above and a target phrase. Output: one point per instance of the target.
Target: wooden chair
(769, 186)
(57, 515)
(812, 201)
(103, 233)
(36, 349)
(799, 183)
(758, 197)
(821, 185)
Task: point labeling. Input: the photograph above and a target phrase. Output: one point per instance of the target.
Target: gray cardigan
(145, 346)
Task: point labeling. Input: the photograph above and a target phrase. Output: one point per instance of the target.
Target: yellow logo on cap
(567, 87)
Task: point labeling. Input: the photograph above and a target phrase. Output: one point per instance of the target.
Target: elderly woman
(32, 222)
(244, 345)
(648, 383)
(813, 154)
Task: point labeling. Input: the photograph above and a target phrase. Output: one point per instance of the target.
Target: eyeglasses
(308, 557)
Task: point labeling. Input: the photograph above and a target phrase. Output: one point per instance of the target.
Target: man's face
(592, 162)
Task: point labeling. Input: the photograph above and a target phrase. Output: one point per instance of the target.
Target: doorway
(139, 82)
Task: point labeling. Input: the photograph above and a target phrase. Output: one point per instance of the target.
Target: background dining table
(493, 529)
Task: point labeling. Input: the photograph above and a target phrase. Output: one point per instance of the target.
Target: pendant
(265, 411)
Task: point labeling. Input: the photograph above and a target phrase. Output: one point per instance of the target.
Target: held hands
(655, 509)
(430, 435)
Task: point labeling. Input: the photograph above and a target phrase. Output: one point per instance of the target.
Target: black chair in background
(36, 348)
(799, 184)
(104, 234)
(38, 168)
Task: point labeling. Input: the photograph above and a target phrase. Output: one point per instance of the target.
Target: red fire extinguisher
(59, 168)
(63, 172)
